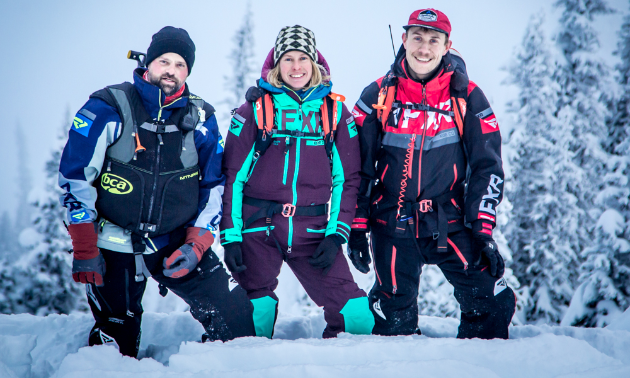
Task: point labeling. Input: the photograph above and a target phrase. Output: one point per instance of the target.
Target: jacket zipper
(286, 161)
(459, 254)
(156, 172)
(295, 178)
(424, 133)
(394, 287)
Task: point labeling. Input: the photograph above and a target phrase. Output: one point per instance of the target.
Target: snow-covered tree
(40, 282)
(543, 233)
(7, 237)
(242, 61)
(25, 182)
(604, 290)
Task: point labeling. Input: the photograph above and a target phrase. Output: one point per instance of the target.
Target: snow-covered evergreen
(242, 61)
(542, 233)
(604, 290)
(40, 281)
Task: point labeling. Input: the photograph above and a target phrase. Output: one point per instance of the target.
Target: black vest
(154, 191)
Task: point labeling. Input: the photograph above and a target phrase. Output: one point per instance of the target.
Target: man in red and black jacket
(431, 179)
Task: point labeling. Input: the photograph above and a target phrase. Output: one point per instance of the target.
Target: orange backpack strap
(259, 113)
(385, 100)
(324, 116)
(459, 108)
(264, 113)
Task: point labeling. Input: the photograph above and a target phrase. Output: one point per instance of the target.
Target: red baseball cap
(431, 19)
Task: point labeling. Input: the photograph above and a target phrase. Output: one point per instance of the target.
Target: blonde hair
(320, 76)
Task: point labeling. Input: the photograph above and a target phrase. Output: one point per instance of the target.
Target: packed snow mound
(55, 346)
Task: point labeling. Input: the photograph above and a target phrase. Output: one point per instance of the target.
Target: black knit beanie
(172, 40)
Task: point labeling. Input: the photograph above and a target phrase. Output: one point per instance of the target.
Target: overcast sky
(56, 53)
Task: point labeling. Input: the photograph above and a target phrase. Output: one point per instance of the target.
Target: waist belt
(269, 208)
(431, 212)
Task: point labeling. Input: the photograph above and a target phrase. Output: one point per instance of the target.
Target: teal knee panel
(357, 317)
(265, 315)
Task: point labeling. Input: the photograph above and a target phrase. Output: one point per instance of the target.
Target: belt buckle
(288, 210)
(425, 206)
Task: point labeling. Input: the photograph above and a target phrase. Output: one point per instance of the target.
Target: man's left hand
(185, 258)
(488, 251)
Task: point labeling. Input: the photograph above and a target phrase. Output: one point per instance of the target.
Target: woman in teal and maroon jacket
(292, 168)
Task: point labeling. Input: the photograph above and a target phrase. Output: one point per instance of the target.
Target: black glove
(233, 257)
(488, 252)
(326, 253)
(359, 251)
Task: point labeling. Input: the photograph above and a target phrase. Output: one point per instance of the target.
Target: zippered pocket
(459, 254)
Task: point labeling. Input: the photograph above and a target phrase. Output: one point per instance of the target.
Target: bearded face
(168, 72)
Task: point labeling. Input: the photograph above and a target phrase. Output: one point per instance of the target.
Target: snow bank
(36, 347)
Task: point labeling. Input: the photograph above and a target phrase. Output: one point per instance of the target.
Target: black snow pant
(117, 306)
(487, 303)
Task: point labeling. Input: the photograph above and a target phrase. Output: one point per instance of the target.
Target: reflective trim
(364, 107)
(484, 113)
(444, 137)
(239, 117)
(153, 128)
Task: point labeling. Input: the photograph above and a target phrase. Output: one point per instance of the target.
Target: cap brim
(407, 27)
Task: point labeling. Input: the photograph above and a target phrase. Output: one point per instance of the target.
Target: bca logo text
(115, 184)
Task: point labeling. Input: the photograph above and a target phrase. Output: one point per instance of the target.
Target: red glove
(186, 257)
(88, 265)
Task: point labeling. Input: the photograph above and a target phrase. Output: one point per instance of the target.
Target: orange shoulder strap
(459, 108)
(385, 99)
(264, 112)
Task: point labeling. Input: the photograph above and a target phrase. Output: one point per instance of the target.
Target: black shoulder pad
(253, 94)
(209, 109)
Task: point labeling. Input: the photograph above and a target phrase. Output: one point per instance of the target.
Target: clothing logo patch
(82, 215)
(352, 129)
(188, 176)
(489, 123)
(232, 283)
(315, 142)
(236, 126)
(350, 120)
(500, 285)
(427, 16)
(115, 184)
(116, 320)
(81, 124)
(221, 145)
(377, 308)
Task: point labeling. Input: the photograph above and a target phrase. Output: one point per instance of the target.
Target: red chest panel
(435, 94)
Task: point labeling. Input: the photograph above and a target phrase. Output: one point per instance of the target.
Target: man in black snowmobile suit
(431, 179)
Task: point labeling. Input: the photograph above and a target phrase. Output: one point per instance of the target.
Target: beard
(167, 88)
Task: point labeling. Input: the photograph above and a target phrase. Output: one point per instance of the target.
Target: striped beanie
(295, 38)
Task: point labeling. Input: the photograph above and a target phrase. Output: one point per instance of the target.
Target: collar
(153, 98)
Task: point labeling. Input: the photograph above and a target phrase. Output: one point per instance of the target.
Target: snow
(55, 346)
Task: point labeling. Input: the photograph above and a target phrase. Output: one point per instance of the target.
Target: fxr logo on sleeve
(488, 120)
(493, 195)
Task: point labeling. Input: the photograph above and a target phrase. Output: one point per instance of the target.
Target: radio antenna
(392, 37)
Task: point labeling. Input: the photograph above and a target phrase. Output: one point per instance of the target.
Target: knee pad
(357, 317)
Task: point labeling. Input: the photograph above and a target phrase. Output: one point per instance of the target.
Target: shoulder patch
(220, 145)
(83, 121)
(352, 129)
(236, 125)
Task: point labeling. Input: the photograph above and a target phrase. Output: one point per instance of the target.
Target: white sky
(56, 53)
